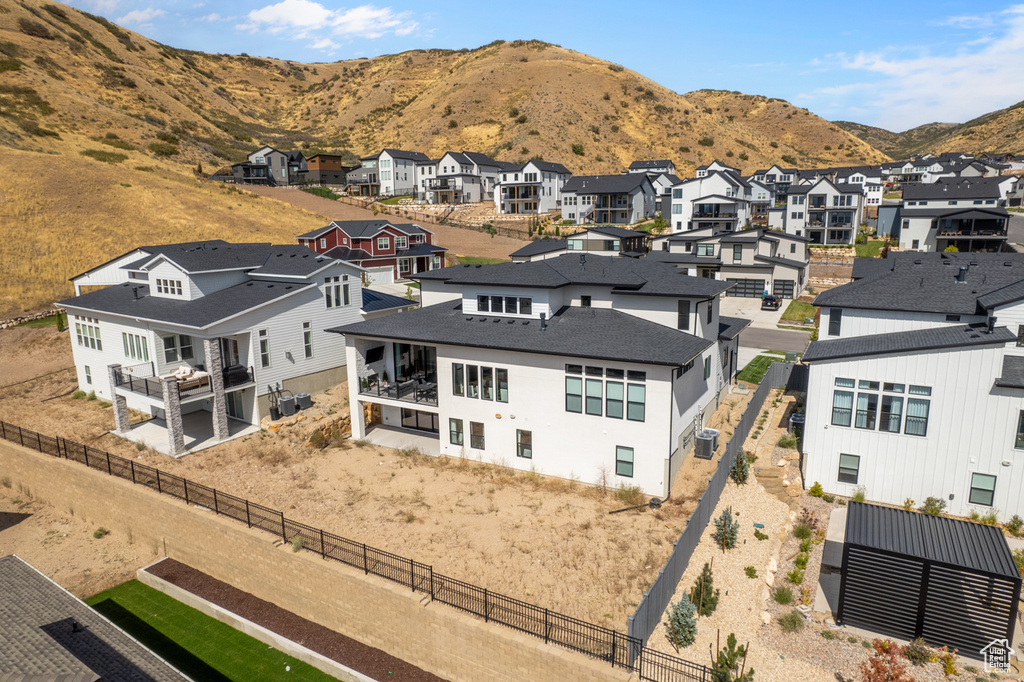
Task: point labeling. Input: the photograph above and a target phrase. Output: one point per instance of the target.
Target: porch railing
(407, 391)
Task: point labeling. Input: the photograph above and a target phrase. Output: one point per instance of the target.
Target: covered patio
(404, 439)
(198, 428)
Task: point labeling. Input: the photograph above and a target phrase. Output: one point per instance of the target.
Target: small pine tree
(726, 530)
(704, 595)
(740, 470)
(731, 662)
(682, 623)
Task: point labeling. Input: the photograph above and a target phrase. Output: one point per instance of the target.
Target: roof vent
(1007, 264)
(917, 262)
(543, 321)
(135, 293)
(961, 276)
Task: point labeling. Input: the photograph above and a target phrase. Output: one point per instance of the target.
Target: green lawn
(872, 249)
(201, 647)
(321, 192)
(754, 372)
(797, 311)
(892, 195)
(479, 260)
(50, 321)
(393, 201)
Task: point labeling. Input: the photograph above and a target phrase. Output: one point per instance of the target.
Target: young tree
(726, 530)
(704, 595)
(682, 623)
(731, 662)
(740, 470)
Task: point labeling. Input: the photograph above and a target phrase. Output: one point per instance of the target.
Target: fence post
(248, 520)
(21, 436)
(159, 488)
(485, 606)
(323, 547)
(109, 472)
(39, 441)
(431, 568)
(3, 429)
(284, 533)
(85, 451)
(412, 576)
(216, 507)
(184, 483)
(132, 463)
(546, 626)
(366, 564)
(615, 640)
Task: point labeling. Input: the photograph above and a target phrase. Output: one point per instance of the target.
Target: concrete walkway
(198, 433)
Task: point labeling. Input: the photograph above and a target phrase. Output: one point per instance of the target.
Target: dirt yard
(547, 541)
(457, 240)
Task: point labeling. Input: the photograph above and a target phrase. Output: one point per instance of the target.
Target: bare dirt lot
(547, 541)
(457, 240)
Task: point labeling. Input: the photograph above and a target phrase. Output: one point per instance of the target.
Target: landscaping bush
(791, 622)
(802, 531)
(740, 470)
(163, 149)
(78, 395)
(796, 576)
(704, 595)
(805, 546)
(885, 665)
(1014, 525)
(801, 560)
(750, 571)
(828, 634)
(917, 652)
(726, 530)
(759, 535)
(682, 623)
(829, 498)
(730, 663)
(782, 595)
(933, 506)
(630, 495)
(860, 495)
(318, 440)
(1018, 558)
(788, 441)
(815, 490)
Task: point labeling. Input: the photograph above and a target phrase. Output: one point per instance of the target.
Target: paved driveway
(774, 339)
(750, 309)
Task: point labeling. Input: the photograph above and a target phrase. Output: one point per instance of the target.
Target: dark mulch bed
(365, 659)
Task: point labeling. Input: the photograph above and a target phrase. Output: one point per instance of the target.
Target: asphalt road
(774, 339)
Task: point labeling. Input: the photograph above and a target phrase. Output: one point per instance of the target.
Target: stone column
(121, 421)
(211, 349)
(172, 413)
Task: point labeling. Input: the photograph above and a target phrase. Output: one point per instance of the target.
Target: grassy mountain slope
(998, 131)
(923, 138)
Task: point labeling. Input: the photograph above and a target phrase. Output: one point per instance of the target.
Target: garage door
(784, 288)
(746, 288)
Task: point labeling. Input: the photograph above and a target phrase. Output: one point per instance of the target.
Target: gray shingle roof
(540, 246)
(545, 166)
(292, 260)
(623, 275)
(926, 282)
(620, 232)
(940, 539)
(654, 163)
(598, 333)
(918, 340)
(375, 301)
(346, 254)
(37, 639)
(730, 327)
(1012, 375)
(778, 260)
(605, 184)
(360, 229)
(954, 188)
(683, 258)
(198, 313)
(966, 212)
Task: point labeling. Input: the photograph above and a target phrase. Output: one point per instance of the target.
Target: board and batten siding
(111, 330)
(971, 428)
(863, 322)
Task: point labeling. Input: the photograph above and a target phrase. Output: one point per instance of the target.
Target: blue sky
(893, 64)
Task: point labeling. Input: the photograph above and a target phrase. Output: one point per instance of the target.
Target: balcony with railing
(417, 390)
(443, 184)
(139, 379)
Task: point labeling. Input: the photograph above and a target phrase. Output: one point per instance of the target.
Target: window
(458, 379)
(383, 243)
(455, 431)
(705, 249)
(345, 297)
(867, 405)
(323, 242)
(917, 416)
(711, 312)
(511, 304)
(472, 381)
(636, 397)
(135, 347)
(307, 339)
(524, 444)
(737, 252)
(177, 347)
(501, 378)
(893, 388)
(623, 461)
(401, 242)
(849, 468)
(594, 394)
(584, 301)
(614, 399)
(683, 321)
(573, 394)
(335, 293)
(842, 408)
(915, 244)
(167, 286)
(88, 375)
(487, 383)
(792, 248)
(403, 265)
(707, 368)
(1020, 335)
(983, 489)
(835, 321)
(1019, 440)
(264, 348)
(476, 435)
(483, 304)
(892, 413)
(526, 306)
(88, 333)
(574, 369)
(496, 304)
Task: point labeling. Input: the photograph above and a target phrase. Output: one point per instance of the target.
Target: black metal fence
(648, 615)
(618, 649)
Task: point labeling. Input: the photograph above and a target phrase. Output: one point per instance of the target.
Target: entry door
(229, 352)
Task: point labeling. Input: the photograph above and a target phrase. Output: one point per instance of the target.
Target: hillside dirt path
(457, 240)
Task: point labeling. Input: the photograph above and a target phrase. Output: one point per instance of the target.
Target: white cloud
(906, 88)
(140, 17)
(967, 21)
(214, 17)
(301, 19)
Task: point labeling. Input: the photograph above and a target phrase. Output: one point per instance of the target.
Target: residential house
(592, 369)
(719, 200)
(826, 212)
(713, 167)
(457, 178)
(391, 172)
(965, 213)
(327, 169)
(663, 184)
(539, 249)
(604, 240)
(754, 261)
(387, 251)
(762, 198)
(608, 199)
(531, 187)
(653, 168)
(203, 333)
(777, 179)
(916, 386)
(268, 166)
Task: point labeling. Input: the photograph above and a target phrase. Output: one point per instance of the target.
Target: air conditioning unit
(706, 443)
(304, 401)
(287, 405)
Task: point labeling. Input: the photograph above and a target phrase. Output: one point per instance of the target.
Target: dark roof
(314, 234)
(292, 260)
(481, 159)
(674, 179)
(654, 163)
(842, 188)
(915, 341)
(360, 229)
(539, 246)
(683, 258)
(546, 166)
(972, 546)
(778, 260)
(623, 275)
(346, 254)
(730, 327)
(401, 154)
(198, 313)
(613, 231)
(218, 255)
(415, 250)
(869, 267)
(926, 282)
(375, 301)
(738, 238)
(605, 184)
(954, 188)
(959, 212)
(36, 628)
(599, 333)
(1012, 375)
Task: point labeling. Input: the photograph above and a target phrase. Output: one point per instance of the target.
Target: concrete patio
(399, 439)
(198, 427)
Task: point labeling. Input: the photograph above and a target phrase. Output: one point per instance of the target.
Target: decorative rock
(766, 617)
(794, 491)
(785, 482)
(773, 565)
(782, 462)
(765, 594)
(769, 579)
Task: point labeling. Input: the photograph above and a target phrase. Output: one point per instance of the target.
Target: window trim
(568, 394)
(991, 492)
(621, 462)
(453, 431)
(856, 471)
(641, 405)
(458, 379)
(264, 346)
(307, 339)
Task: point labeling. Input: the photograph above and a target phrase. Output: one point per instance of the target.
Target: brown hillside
(899, 145)
(999, 131)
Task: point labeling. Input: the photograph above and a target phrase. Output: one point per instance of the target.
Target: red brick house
(406, 248)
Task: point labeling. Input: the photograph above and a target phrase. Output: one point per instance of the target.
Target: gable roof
(613, 231)
(1012, 375)
(293, 260)
(914, 341)
(841, 188)
(375, 301)
(539, 246)
(954, 188)
(730, 327)
(210, 256)
(362, 229)
(598, 333)
(651, 164)
(606, 184)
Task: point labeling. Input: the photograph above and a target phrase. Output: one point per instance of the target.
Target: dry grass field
(547, 541)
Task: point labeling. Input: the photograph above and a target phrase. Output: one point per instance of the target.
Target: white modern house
(532, 187)
(777, 179)
(457, 178)
(916, 386)
(713, 167)
(205, 333)
(965, 213)
(653, 167)
(825, 212)
(718, 199)
(608, 199)
(601, 240)
(391, 172)
(596, 369)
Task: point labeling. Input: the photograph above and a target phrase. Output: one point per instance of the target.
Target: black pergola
(907, 575)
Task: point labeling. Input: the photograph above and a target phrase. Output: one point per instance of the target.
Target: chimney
(991, 324)
(961, 277)
(543, 321)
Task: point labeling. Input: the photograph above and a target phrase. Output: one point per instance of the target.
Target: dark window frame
(476, 440)
(845, 471)
(524, 447)
(455, 429)
(621, 464)
(990, 494)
